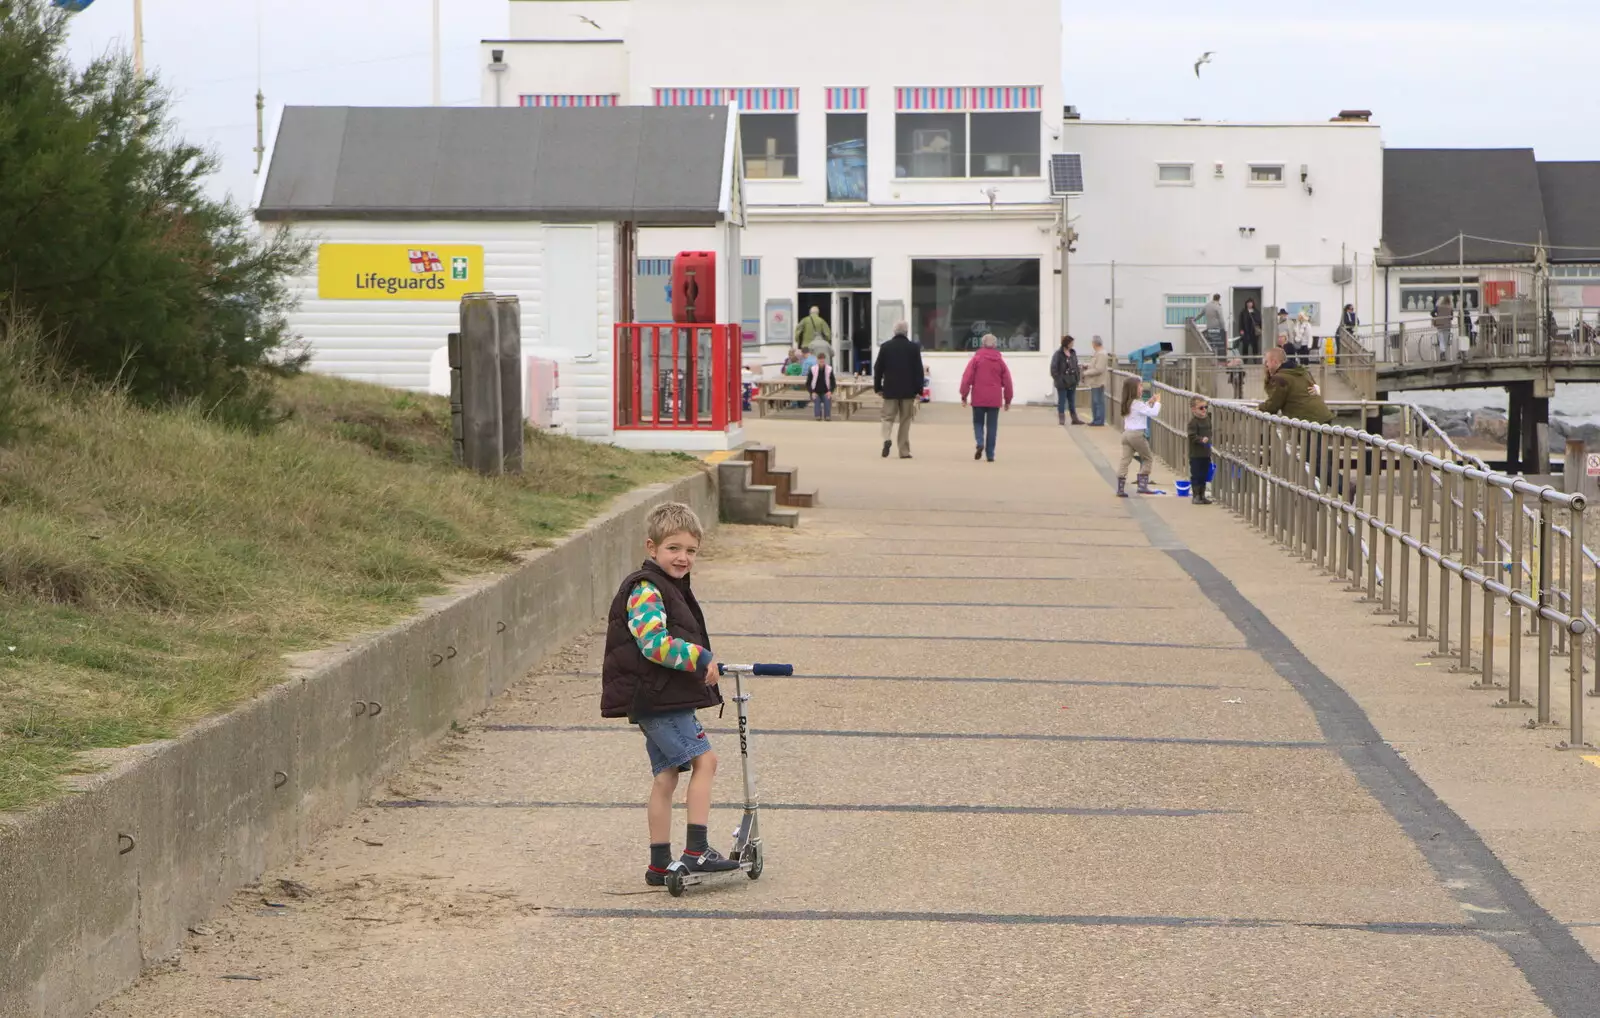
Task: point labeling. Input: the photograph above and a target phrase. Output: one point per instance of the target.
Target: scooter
(746, 849)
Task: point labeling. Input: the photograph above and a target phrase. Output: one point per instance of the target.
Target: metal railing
(1352, 372)
(1413, 530)
(1502, 333)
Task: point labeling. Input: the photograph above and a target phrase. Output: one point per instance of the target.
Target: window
(1183, 308)
(771, 145)
(1576, 273)
(1266, 173)
(955, 302)
(937, 144)
(835, 273)
(847, 157)
(930, 145)
(1419, 294)
(1176, 174)
(1005, 144)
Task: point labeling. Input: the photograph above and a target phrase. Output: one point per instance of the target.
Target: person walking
(1283, 333)
(821, 383)
(987, 383)
(1250, 330)
(813, 333)
(1444, 318)
(897, 377)
(1095, 377)
(1348, 322)
(1215, 325)
(1065, 373)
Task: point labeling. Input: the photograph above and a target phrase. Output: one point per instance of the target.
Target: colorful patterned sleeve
(647, 621)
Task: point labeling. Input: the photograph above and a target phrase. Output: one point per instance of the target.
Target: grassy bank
(154, 566)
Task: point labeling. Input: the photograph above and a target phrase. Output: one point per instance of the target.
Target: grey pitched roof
(1431, 195)
(1572, 210)
(646, 164)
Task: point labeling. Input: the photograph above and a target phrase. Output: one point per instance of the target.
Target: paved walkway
(1042, 757)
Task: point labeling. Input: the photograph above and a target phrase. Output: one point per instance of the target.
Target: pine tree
(109, 239)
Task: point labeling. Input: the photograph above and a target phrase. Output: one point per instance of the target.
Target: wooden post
(508, 310)
(480, 383)
(457, 429)
(1572, 468)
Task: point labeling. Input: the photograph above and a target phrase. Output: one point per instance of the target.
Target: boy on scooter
(658, 671)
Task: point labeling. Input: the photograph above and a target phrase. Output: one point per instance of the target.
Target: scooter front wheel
(752, 851)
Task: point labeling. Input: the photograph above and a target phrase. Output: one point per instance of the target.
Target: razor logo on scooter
(746, 848)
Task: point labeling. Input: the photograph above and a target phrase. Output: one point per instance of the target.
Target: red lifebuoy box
(694, 287)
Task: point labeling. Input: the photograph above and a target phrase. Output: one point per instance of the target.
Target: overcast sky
(1467, 73)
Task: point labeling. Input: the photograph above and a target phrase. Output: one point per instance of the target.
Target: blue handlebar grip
(772, 670)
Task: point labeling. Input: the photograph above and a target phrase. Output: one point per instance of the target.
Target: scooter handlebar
(724, 669)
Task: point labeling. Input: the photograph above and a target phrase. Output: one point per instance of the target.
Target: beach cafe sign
(398, 272)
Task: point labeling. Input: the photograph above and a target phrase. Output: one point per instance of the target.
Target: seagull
(1204, 59)
(597, 28)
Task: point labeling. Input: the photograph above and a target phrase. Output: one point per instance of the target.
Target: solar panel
(1066, 174)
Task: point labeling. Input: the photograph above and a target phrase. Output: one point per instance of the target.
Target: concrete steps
(786, 480)
(742, 500)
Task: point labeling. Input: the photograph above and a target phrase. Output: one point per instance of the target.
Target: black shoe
(886, 450)
(655, 877)
(709, 861)
(905, 455)
(977, 453)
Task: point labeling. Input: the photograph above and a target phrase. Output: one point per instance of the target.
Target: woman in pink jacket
(987, 382)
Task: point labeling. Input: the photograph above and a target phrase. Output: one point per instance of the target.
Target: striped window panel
(956, 100)
(847, 98)
(748, 99)
(995, 97)
(909, 99)
(570, 100)
(663, 266)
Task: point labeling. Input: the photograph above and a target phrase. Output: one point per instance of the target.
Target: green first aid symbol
(458, 267)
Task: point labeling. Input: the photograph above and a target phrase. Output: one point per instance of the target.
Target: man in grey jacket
(1215, 324)
(1095, 377)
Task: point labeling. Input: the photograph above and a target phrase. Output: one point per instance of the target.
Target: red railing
(677, 377)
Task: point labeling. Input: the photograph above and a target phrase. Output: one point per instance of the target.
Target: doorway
(1240, 295)
(849, 317)
(855, 339)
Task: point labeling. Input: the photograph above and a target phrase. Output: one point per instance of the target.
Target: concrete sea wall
(99, 884)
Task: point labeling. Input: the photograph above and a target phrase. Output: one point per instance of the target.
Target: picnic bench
(777, 393)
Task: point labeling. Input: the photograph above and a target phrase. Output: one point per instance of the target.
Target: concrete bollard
(509, 312)
(480, 383)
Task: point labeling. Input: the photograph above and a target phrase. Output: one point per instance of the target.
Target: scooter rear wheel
(675, 883)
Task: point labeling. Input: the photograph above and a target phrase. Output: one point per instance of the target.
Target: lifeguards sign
(398, 272)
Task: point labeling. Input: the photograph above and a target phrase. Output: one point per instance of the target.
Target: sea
(1579, 402)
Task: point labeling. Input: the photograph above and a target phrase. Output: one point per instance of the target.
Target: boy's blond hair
(670, 518)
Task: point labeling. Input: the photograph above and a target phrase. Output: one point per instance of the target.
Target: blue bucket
(1212, 473)
(1183, 489)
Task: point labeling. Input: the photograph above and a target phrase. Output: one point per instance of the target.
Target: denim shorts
(673, 739)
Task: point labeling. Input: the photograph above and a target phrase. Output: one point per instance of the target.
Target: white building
(1289, 215)
(408, 210)
(882, 182)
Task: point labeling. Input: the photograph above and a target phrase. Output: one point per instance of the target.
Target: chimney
(1353, 117)
(1069, 113)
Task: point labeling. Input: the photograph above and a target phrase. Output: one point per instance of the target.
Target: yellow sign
(397, 272)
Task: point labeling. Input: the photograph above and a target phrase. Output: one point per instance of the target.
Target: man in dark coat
(897, 377)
